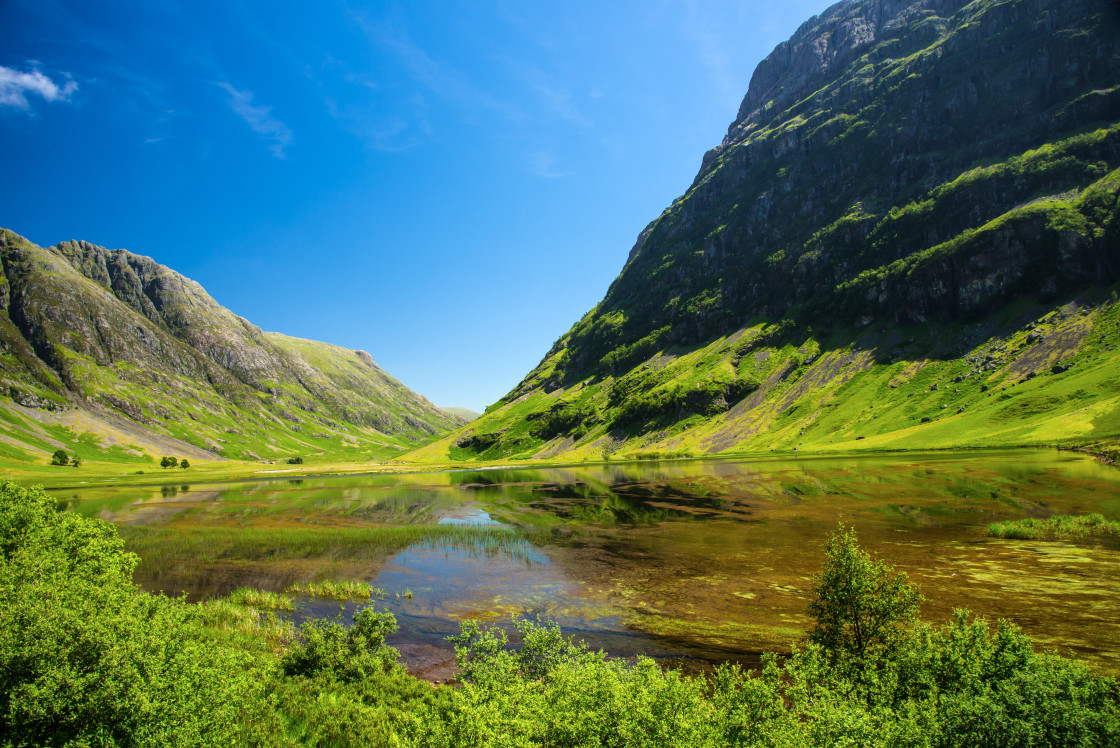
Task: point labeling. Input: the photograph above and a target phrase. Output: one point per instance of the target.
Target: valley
(833, 461)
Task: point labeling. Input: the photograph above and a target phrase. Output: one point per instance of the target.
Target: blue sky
(447, 185)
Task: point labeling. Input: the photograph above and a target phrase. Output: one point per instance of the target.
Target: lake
(692, 562)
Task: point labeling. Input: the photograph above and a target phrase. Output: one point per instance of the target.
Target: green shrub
(348, 654)
(88, 659)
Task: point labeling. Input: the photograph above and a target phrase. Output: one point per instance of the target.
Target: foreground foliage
(87, 659)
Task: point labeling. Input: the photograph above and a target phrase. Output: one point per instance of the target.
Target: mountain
(465, 413)
(907, 235)
(127, 351)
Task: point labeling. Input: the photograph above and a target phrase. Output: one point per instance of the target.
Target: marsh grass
(260, 599)
(1058, 527)
(228, 616)
(351, 589)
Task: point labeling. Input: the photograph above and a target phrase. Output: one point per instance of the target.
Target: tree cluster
(170, 462)
(61, 458)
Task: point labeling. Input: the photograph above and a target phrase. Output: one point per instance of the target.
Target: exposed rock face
(895, 162)
(85, 325)
(871, 107)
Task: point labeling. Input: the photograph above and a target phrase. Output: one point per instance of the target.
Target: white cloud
(15, 86)
(259, 118)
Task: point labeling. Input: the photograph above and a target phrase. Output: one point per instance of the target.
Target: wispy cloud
(712, 35)
(259, 118)
(545, 164)
(440, 79)
(16, 86)
(556, 99)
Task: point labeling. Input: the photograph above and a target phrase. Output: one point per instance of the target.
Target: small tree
(860, 603)
(60, 458)
(184, 463)
(295, 460)
(168, 462)
(76, 461)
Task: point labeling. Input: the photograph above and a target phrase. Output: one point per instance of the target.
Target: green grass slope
(116, 358)
(908, 234)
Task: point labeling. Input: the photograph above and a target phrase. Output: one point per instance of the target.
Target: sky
(449, 186)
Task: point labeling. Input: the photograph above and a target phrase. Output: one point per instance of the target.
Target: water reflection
(698, 559)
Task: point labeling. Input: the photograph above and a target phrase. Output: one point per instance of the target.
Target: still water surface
(688, 561)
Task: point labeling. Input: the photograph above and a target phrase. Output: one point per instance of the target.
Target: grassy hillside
(911, 218)
(115, 358)
(1030, 375)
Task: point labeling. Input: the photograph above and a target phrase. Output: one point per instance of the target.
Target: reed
(260, 599)
(351, 589)
(1057, 527)
(224, 615)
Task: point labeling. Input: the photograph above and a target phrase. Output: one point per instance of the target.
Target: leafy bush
(348, 654)
(860, 603)
(88, 659)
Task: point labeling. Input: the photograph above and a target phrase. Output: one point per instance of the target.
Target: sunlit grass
(260, 599)
(351, 589)
(1058, 527)
(225, 615)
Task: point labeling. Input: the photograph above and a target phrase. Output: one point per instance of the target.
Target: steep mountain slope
(907, 184)
(136, 348)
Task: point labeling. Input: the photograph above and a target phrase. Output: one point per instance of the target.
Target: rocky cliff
(898, 170)
(117, 334)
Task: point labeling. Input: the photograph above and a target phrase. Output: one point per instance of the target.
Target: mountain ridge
(109, 331)
(896, 169)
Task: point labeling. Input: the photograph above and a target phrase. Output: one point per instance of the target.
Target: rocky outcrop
(856, 146)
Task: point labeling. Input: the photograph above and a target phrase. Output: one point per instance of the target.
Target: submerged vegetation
(312, 541)
(1058, 527)
(86, 658)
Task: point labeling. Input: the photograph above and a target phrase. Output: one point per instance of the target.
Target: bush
(349, 655)
(860, 603)
(88, 659)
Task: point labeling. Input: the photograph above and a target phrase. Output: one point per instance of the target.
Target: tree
(860, 603)
(76, 461)
(168, 462)
(60, 458)
(184, 463)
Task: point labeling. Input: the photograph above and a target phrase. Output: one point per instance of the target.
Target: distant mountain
(117, 345)
(914, 209)
(465, 413)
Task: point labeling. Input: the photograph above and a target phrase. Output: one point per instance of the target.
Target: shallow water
(689, 561)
